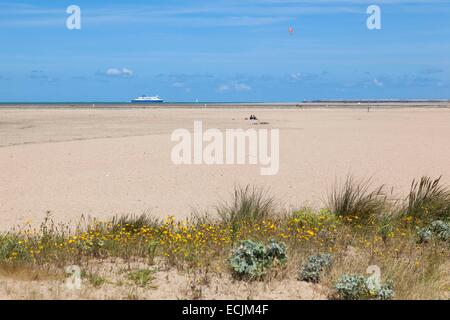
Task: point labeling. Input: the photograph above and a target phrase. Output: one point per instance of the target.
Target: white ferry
(147, 99)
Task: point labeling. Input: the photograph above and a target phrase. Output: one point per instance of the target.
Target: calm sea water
(90, 103)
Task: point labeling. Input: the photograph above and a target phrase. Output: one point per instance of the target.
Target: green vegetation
(355, 199)
(247, 204)
(436, 230)
(252, 241)
(252, 259)
(313, 268)
(358, 287)
(96, 280)
(428, 200)
(141, 277)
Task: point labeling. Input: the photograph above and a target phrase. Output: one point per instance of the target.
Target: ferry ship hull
(146, 101)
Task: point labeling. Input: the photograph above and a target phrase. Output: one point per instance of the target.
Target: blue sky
(224, 50)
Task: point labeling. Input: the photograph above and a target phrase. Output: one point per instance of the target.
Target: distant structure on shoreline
(378, 101)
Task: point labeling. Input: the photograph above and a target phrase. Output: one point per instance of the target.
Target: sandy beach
(108, 161)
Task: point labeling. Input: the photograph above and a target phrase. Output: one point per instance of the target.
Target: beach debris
(253, 117)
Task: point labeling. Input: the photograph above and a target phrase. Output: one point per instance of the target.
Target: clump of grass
(96, 280)
(355, 199)
(141, 277)
(151, 250)
(428, 200)
(133, 223)
(29, 272)
(247, 204)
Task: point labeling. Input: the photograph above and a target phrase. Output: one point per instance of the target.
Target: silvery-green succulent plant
(313, 268)
(252, 259)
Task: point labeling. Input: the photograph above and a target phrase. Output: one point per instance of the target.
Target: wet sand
(107, 161)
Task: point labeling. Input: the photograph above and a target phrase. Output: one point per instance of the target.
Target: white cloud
(223, 88)
(127, 72)
(377, 82)
(296, 76)
(242, 87)
(114, 72)
(181, 85)
(237, 87)
(178, 84)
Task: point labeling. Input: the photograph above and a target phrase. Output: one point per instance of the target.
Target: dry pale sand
(167, 283)
(102, 162)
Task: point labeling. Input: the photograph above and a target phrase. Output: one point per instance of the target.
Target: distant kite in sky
(291, 30)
